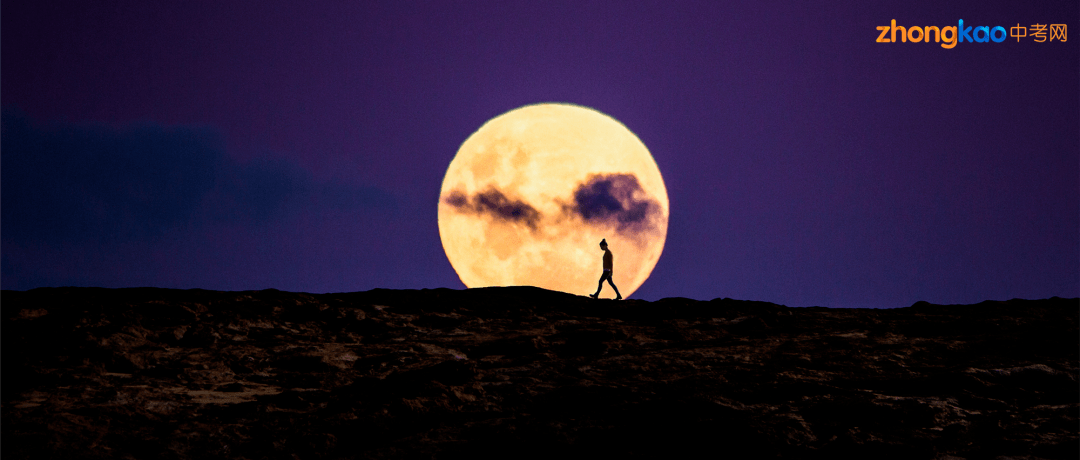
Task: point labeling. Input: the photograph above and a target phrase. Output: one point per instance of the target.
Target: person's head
(603, 244)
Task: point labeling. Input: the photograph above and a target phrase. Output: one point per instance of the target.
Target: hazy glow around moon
(530, 194)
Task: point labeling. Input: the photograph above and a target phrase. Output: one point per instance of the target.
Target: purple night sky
(301, 145)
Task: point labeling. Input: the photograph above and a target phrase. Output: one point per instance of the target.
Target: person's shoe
(594, 295)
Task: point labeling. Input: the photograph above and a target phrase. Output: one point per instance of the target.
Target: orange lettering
(881, 38)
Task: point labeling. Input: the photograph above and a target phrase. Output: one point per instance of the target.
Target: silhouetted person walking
(607, 273)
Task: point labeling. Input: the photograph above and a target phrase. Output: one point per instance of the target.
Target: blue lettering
(985, 34)
(964, 32)
(993, 34)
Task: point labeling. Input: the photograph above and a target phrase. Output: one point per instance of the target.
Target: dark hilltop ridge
(523, 372)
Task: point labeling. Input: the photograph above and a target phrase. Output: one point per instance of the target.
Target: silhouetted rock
(528, 373)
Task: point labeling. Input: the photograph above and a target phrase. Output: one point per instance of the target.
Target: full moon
(530, 195)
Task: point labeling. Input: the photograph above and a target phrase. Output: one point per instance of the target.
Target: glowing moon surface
(530, 194)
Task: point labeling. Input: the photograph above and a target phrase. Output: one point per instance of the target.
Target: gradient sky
(301, 145)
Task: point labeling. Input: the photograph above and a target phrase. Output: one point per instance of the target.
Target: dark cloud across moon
(493, 203)
(616, 200)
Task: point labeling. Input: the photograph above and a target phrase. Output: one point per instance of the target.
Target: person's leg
(612, 283)
(600, 284)
(606, 275)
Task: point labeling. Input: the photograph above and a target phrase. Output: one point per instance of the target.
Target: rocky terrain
(528, 373)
